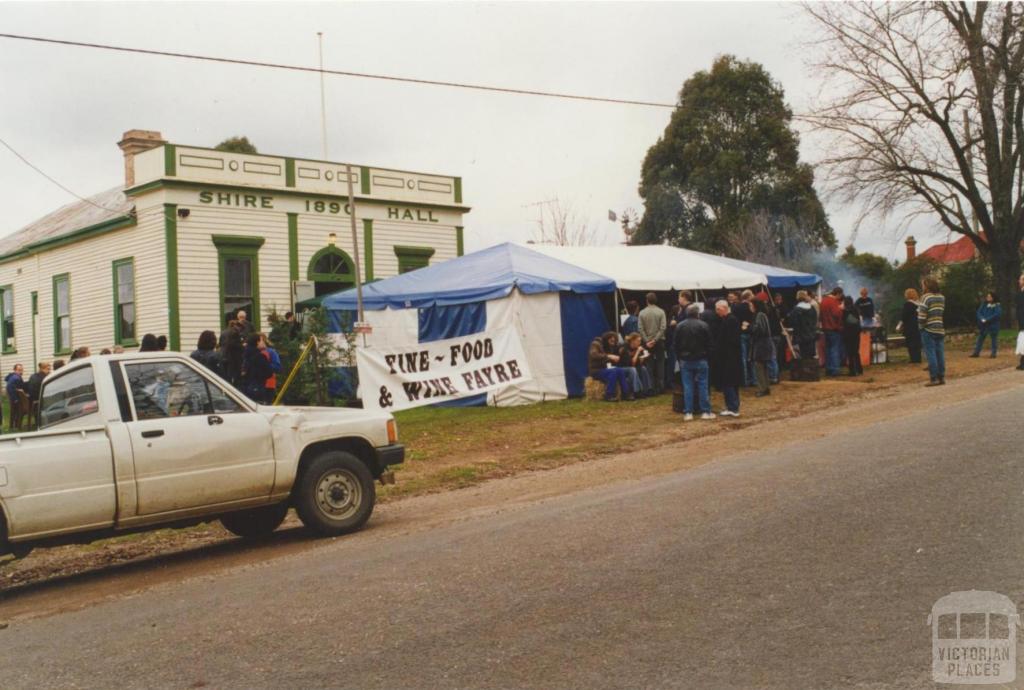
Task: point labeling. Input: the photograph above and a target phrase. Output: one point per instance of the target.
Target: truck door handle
(214, 419)
(153, 434)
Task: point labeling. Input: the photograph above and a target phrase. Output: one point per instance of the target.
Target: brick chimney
(911, 248)
(133, 142)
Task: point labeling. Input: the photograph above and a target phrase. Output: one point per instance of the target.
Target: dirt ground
(584, 443)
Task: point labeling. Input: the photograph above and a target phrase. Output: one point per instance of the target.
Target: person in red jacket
(832, 325)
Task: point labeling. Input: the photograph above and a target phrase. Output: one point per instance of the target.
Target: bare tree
(927, 117)
(559, 223)
(755, 239)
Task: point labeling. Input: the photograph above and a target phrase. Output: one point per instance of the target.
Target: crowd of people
(742, 341)
(240, 355)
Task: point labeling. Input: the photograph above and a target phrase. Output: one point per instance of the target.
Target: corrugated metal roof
(109, 205)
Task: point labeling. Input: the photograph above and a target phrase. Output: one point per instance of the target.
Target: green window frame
(8, 344)
(234, 252)
(331, 269)
(411, 258)
(61, 314)
(125, 311)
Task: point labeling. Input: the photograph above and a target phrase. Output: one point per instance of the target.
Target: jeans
(615, 376)
(774, 364)
(656, 366)
(833, 352)
(981, 341)
(695, 374)
(935, 351)
(639, 379)
(732, 398)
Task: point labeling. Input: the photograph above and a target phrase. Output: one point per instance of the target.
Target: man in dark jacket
(804, 321)
(729, 358)
(693, 347)
(35, 382)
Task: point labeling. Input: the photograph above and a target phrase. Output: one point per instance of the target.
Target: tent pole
(615, 317)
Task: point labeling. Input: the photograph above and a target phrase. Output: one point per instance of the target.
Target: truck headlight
(392, 431)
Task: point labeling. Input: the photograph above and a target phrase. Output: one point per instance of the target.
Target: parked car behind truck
(147, 440)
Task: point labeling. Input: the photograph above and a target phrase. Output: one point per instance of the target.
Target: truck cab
(145, 440)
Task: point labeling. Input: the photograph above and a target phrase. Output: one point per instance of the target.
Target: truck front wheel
(334, 494)
(255, 523)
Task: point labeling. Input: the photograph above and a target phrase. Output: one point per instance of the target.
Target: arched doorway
(331, 270)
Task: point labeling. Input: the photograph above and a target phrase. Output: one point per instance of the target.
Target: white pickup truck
(142, 441)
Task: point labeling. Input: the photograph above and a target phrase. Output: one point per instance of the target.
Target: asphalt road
(812, 566)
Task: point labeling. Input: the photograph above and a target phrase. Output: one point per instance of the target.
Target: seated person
(603, 366)
(631, 357)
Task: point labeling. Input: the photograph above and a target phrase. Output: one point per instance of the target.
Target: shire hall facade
(196, 234)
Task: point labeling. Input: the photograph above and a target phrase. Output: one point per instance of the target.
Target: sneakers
(687, 417)
(708, 415)
(974, 354)
(728, 413)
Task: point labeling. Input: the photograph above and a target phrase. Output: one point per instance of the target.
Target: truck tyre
(334, 494)
(255, 523)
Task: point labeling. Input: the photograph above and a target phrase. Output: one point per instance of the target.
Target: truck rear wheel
(255, 522)
(334, 494)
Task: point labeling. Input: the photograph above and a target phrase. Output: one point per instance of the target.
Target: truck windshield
(67, 397)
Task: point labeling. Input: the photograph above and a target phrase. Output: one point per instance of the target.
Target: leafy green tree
(872, 266)
(727, 154)
(317, 373)
(236, 145)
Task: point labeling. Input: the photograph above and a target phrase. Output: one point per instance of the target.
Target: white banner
(397, 378)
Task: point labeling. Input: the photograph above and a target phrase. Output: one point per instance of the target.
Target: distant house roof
(952, 252)
(106, 206)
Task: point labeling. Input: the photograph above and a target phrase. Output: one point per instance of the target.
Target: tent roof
(657, 267)
(777, 277)
(487, 274)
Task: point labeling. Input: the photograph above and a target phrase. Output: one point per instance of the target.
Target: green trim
(459, 241)
(364, 179)
(289, 172)
(293, 247)
(61, 348)
(171, 252)
(311, 160)
(240, 247)
(3, 322)
(238, 241)
(170, 160)
(35, 313)
(368, 249)
(188, 184)
(458, 190)
(329, 277)
(418, 252)
(72, 237)
(119, 338)
(411, 258)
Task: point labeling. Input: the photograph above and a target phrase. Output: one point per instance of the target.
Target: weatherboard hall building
(196, 234)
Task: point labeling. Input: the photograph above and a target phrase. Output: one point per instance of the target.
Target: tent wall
(556, 330)
(583, 319)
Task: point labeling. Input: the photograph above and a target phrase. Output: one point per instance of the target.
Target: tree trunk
(1006, 272)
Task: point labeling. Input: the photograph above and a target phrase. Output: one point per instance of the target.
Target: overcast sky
(65, 108)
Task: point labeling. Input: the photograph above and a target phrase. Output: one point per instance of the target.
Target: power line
(342, 73)
(29, 163)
